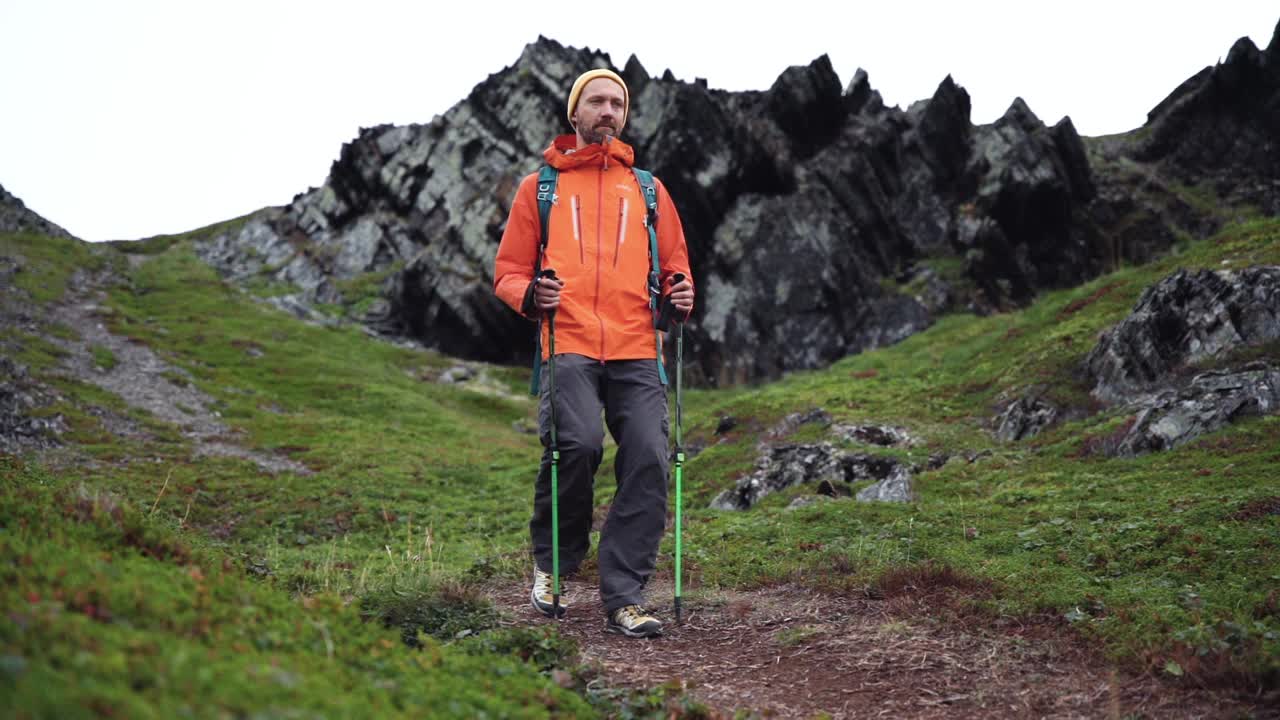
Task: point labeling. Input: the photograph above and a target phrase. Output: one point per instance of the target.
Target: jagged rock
(1221, 126)
(895, 488)
(873, 434)
(822, 465)
(799, 202)
(19, 395)
(779, 468)
(16, 217)
(1025, 418)
(1211, 401)
(1030, 182)
(1185, 318)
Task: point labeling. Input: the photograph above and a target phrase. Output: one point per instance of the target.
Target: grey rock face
(16, 217)
(1024, 418)
(1183, 319)
(779, 468)
(822, 465)
(1223, 126)
(19, 395)
(799, 202)
(895, 488)
(883, 435)
(1211, 401)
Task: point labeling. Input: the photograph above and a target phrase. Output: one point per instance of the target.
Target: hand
(546, 293)
(681, 296)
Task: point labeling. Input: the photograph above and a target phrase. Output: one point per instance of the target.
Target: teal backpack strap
(547, 179)
(650, 192)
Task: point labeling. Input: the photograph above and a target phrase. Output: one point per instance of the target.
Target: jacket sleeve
(518, 251)
(671, 244)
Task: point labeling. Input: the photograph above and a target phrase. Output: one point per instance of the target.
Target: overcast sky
(125, 119)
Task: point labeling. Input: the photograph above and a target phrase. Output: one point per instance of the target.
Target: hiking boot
(541, 596)
(633, 621)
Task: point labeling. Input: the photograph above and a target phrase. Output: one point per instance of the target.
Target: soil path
(790, 652)
(140, 377)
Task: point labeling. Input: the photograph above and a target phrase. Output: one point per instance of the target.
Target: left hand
(681, 296)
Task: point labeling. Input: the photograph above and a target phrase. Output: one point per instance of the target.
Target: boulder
(822, 465)
(1209, 402)
(1024, 418)
(1186, 318)
(779, 468)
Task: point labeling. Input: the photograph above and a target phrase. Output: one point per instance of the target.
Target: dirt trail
(789, 652)
(141, 378)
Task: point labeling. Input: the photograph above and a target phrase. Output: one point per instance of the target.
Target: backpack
(547, 179)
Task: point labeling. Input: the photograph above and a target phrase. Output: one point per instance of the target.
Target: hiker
(607, 352)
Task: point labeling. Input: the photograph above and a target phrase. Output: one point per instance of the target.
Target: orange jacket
(599, 247)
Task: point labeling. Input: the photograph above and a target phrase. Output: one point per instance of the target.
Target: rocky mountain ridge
(821, 222)
(16, 217)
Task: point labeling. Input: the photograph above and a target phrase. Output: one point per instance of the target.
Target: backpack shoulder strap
(649, 189)
(547, 179)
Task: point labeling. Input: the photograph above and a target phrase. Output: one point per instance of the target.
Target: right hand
(546, 293)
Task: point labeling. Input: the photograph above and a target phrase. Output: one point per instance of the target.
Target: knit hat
(587, 77)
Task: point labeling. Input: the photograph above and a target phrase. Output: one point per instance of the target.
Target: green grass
(46, 264)
(1129, 540)
(111, 613)
(103, 357)
(419, 490)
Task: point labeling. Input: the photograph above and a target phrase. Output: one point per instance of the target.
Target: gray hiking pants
(634, 403)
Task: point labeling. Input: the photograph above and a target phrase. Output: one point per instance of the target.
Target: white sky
(127, 118)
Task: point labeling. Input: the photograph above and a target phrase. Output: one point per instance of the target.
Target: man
(606, 350)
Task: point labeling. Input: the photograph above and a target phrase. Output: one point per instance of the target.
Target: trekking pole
(676, 280)
(555, 459)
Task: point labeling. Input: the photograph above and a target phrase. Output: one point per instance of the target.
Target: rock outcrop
(16, 217)
(1025, 417)
(1211, 401)
(805, 206)
(1147, 362)
(815, 214)
(823, 466)
(1187, 318)
(1221, 127)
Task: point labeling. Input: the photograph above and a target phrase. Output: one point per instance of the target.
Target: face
(601, 111)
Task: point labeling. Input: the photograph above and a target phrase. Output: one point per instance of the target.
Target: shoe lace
(631, 614)
(543, 581)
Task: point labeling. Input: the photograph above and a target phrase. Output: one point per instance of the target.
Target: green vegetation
(145, 581)
(103, 357)
(1160, 557)
(46, 264)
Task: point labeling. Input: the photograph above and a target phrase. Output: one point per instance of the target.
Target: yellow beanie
(587, 77)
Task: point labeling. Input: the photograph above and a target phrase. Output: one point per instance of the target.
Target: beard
(597, 134)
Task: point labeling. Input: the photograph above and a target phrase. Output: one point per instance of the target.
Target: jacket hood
(561, 154)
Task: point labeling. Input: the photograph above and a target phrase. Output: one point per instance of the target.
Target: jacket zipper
(599, 233)
(622, 230)
(577, 228)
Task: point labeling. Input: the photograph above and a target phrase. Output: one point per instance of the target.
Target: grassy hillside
(1171, 559)
(144, 581)
(152, 581)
